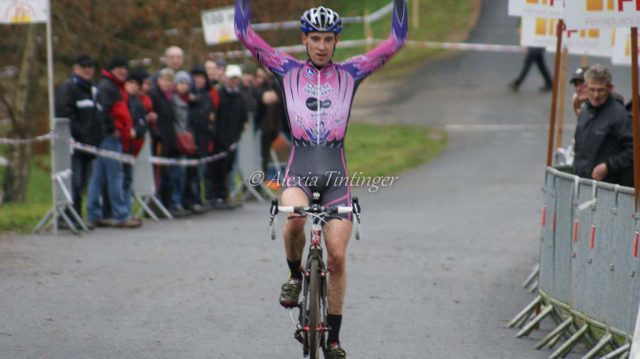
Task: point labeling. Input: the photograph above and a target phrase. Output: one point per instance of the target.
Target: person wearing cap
(231, 116)
(580, 93)
(76, 100)
(118, 132)
(603, 138)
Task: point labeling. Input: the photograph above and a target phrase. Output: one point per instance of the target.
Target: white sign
(218, 26)
(23, 11)
(621, 54)
(601, 14)
(541, 8)
(542, 32)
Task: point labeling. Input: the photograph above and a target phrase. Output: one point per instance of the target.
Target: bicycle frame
(304, 331)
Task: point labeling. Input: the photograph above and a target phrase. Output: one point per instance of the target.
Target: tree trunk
(19, 157)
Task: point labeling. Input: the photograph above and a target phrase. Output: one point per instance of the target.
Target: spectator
(166, 145)
(76, 101)
(117, 126)
(201, 122)
(215, 73)
(138, 113)
(231, 117)
(186, 193)
(534, 55)
(270, 112)
(603, 138)
(173, 59)
(581, 93)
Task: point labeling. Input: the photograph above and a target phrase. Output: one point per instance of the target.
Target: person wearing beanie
(76, 100)
(118, 132)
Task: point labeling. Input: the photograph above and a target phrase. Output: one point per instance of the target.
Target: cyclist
(318, 94)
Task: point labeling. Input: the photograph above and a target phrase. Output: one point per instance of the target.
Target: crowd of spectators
(186, 113)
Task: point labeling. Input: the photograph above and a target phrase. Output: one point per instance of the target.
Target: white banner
(602, 14)
(621, 54)
(540, 8)
(23, 11)
(218, 26)
(542, 32)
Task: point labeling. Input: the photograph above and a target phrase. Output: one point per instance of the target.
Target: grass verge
(22, 217)
(383, 150)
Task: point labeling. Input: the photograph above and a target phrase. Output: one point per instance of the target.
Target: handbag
(185, 143)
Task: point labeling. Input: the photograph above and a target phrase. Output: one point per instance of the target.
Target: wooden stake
(554, 98)
(416, 14)
(562, 93)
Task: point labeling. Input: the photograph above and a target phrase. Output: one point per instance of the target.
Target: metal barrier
(144, 186)
(61, 182)
(588, 274)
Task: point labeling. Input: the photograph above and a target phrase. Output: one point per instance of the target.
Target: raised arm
(362, 66)
(277, 62)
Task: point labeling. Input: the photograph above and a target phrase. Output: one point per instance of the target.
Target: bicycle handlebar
(316, 210)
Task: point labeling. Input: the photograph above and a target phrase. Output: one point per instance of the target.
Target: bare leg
(294, 237)
(337, 234)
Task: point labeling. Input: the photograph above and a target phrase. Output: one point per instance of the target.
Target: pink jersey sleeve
(277, 62)
(362, 66)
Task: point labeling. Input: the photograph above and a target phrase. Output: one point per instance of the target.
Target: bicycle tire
(314, 335)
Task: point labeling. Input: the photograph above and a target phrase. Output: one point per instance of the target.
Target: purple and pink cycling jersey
(318, 104)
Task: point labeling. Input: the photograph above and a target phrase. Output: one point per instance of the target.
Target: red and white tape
(162, 161)
(25, 141)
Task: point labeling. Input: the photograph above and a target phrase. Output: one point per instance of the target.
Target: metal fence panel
(143, 180)
(599, 277)
(624, 301)
(564, 234)
(547, 241)
(62, 158)
(579, 296)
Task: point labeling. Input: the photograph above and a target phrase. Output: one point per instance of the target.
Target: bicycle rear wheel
(315, 315)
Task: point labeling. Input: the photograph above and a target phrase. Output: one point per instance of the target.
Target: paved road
(436, 275)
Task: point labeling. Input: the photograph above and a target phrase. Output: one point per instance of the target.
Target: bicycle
(312, 328)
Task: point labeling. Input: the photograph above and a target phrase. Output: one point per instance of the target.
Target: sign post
(31, 12)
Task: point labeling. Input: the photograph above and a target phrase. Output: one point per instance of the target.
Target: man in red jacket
(118, 131)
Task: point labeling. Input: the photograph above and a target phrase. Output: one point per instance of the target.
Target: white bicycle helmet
(320, 19)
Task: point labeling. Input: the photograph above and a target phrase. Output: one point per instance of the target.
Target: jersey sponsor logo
(310, 73)
(312, 104)
(321, 90)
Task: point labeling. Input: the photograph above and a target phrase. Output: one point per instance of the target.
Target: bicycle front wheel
(315, 332)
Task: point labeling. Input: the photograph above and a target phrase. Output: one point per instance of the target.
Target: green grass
(438, 21)
(384, 150)
(22, 217)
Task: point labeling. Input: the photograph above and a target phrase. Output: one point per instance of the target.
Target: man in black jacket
(76, 101)
(231, 116)
(603, 139)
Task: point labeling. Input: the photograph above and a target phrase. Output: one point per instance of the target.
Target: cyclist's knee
(336, 263)
(296, 224)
